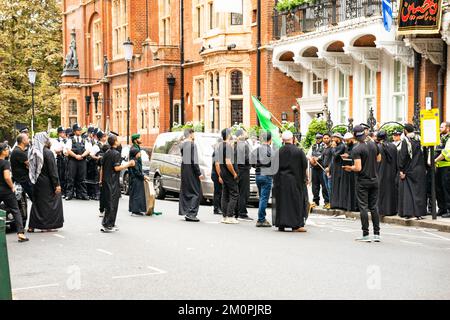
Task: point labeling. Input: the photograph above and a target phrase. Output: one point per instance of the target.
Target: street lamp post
(296, 123)
(212, 113)
(128, 49)
(171, 83)
(32, 73)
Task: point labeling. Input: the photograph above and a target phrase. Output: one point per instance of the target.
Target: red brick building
(220, 65)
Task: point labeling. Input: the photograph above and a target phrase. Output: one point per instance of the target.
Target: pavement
(164, 257)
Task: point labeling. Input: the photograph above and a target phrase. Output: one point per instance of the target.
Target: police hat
(69, 131)
(24, 130)
(319, 136)
(60, 130)
(96, 130)
(338, 135)
(100, 134)
(91, 130)
(397, 133)
(76, 127)
(114, 133)
(381, 135)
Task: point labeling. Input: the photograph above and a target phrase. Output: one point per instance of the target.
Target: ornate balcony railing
(321, 14)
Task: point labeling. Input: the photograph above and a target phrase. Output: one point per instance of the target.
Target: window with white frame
(317, 85)
(399, 95)
(165, 12)
(343, 95)
(73, 112)
(142, 105)
(153, 103)
(97, 44)
(199, 99)
(119, 26)
(197, 23)
(119, 109)
(369, 92)
(237, 19)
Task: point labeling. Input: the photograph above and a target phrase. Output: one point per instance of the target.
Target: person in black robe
(191, 177)
(102, 199)
(412, 187)
(110, 179)
(138, 203)
(47, 209)
(289, 189)
(387, 175)
(337, 194)
(348, 200)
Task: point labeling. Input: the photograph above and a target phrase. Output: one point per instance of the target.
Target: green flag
(265, 122)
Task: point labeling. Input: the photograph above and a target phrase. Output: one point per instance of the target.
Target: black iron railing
(322, 13)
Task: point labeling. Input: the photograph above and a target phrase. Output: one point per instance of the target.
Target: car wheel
(126, 183)
(160, 193)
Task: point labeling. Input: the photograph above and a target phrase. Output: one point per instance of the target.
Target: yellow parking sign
(429, 127)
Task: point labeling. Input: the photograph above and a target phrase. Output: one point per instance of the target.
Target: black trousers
(230, 197)
(76, 183)
(27, 186)
(317, 182)
(443, 189)
(367, 194)
(13, 207)
(61, 162)
(109, 220)
(244, 193)
(217, 197)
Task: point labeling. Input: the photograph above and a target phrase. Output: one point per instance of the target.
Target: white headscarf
(36, 156)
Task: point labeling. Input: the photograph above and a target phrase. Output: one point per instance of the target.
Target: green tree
(30, 35)
(316, 126)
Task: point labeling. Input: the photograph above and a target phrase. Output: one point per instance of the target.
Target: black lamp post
(171, 83)
(96, 98)
(32, 73)
(128, 49)
(212, 113)
(296, 122)
(327, 114)
(371, 121)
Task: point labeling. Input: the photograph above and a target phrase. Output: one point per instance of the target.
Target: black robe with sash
(347, 200)
(412, 190)
(47, 209)
(137, 203)
(191, 188)
(388, 184)
(290, 194)
(338, 194)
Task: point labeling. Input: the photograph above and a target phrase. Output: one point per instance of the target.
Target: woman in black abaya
(138, 203)
(47, 209)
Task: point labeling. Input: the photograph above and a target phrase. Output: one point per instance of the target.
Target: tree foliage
(316, 126)
(30, 35)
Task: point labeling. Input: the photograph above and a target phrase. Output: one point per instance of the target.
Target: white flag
(228, 6)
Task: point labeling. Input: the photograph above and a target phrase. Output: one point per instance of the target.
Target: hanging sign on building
(429, 127)
(419, 16)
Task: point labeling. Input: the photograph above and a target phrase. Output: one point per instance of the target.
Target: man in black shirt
(228, 175)
(366, 157)
(110, 181)
(19, 164)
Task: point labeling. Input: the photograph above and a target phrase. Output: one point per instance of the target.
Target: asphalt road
(163, 257)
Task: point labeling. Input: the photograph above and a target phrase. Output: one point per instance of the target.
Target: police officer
(77, 149)
(92, 169)
(316, 163)
(443, 171)
(61, 159)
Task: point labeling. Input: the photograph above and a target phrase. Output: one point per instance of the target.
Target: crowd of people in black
(360, 171)
(81, 165)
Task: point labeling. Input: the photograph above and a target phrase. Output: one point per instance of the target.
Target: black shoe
(69, 198)
(218, 212)
(192, 219)
(281, 229)
(446, 215)
(106, 230)
(84, 198)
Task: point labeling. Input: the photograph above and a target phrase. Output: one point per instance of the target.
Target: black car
(23, 207)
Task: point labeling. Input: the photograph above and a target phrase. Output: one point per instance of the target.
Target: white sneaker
(233, 220)
(225, 220)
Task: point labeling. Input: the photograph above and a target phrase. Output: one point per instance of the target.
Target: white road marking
(36, 287)
(156, 272)
(411, 242)
(59, 236)
(436, 235)
(105, 252)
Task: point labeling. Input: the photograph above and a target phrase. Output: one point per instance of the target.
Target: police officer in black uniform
(61, 159)
(92, 169)
(77, 149)
(315, 160)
